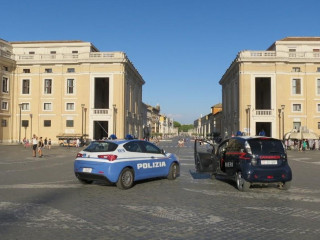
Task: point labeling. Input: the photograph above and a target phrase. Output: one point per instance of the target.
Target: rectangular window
(26, 70)
(70, 86)
(47, 123)
(25, 106)
(25, 86)
(31, 52)
(296, 86)
(25, 123)
(4, 105)
(296, 107)
(296, 69)
(3, 122)
(318, 69)
(5, 68)
(69, 123)
(318, 107)
(74, 52)
(5, 85)
(316, 50)
(47, 106)
(297, 125)
(70, 106)
(48, 70)
(53, 52)
(318, 86)
(48, 86)
(318, 125)
(70, 70)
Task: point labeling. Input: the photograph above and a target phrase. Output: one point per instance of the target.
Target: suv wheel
(242, 184)
(285, 185)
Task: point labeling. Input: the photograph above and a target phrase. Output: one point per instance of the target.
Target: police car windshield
(265, 146)
(101, 147)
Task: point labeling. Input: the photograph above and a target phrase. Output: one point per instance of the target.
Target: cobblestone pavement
(41, 199)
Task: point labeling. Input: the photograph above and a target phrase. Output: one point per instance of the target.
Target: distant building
(67, 89)
(276, 90)
(158, 123)
(209, 124)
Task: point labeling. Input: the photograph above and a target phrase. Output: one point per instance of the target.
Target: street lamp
(85, 121)
(114, 119)
(20, 105)
(30, 126)
(249, 111)
(282, 110)
(82, 107)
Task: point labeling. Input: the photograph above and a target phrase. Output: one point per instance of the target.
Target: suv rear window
(101, 147)
(265, 146)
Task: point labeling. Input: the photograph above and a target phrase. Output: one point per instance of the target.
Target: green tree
(186, 127)
(176, 124)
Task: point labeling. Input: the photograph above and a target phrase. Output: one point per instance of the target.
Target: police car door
(233, 154)
(136, 156)
(156, 163)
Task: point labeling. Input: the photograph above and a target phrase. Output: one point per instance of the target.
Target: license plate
(269, 162)
(88, 170)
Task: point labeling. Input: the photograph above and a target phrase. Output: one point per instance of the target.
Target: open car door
(204, 156)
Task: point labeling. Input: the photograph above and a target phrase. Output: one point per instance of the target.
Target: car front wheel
(173, 172)
(125, 180)
(242, 184)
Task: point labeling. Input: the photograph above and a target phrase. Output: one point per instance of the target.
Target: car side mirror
(163, 152)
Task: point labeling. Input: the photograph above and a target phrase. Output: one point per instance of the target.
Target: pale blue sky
(180, 47)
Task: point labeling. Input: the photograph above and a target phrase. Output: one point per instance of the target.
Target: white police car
(123, 162)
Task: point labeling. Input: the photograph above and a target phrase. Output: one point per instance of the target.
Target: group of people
(302, 145)
(38, 144)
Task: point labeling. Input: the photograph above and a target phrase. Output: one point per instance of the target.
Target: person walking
(40, 146)
(49, 144)
(34, 145)
(45, 143)
(304, 145)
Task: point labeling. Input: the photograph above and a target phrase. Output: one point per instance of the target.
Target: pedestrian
(316, 144)
(304, 145)
(68, 142)
(181, 142)
(45, 143)
(49, 143)
(78, 143)
(34, 145)
(40, 146)
(262, 133)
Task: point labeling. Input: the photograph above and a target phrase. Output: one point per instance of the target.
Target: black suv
(248, 160)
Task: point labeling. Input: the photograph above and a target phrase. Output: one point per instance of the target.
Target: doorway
(263, 126)
(100, 130)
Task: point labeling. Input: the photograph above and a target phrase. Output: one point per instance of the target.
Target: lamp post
(20, 105)
(114, 119)
(249, 113)
(279, 111)
(85, 121)
(30, 126)
(282, 110)
(82, 107)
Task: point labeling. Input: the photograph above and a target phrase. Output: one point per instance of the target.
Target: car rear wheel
(242, 184)
(125, 180)
(173, 172)
(285, 185)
